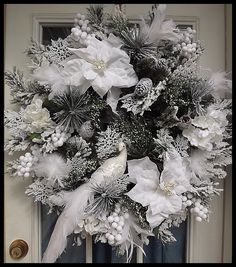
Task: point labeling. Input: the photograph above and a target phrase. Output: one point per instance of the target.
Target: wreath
(119, 129)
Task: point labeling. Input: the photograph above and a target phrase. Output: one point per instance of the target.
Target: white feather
(132, 235)
(52, 167)
(220, 84)
(198, 164)
(68, 220)
(76, 201)
(159, 29)
(50, 75)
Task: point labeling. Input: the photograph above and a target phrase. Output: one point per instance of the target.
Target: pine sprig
(23, 91)
(96, 17)
(136, 45)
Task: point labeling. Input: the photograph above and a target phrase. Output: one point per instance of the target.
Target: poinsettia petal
(101, 84)
(113, 97)
(166, 204)
(143, 168)
(142, 193)
(90, 74)
(89, 53)
(154, 220)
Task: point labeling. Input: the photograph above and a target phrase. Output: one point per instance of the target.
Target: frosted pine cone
(143, 87)
(86, 130)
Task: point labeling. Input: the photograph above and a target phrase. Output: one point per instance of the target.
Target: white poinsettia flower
(100, 65)
(207, 130)
(162, 194)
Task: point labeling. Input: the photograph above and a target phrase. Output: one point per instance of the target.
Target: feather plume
(53, 168)
(159, 29)
(50, 75)
(70, 217)
(133, 235)
(221, 85)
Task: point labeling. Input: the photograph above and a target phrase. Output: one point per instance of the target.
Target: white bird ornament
(76, 201)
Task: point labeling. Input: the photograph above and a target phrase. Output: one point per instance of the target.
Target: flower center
(99, 65)
(168, 187)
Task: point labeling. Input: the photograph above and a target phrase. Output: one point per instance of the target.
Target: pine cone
(86, 130)
(143, 87)
(150, 67)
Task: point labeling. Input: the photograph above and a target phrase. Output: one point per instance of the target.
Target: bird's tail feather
(66, 223)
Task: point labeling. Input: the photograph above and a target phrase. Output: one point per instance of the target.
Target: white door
(206, 242)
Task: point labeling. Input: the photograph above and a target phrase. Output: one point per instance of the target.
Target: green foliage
(96, 17)
(23, 91)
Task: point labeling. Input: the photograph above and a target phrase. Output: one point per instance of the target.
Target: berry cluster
(116, 221)
(26, 163)
(81, 31)
(59, 137)
(187, 47)
(199, 211)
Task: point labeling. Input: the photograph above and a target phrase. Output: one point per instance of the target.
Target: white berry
(201, 213)
(54, 139)
(121, 223)
(116, 219)
(84, 27)
(29, 164)
(118, 237)
(25, 159)
(110, 219)
(114, 232)
(205, 210)
(111, 238)
(184, 198)
(188, 202)
(83, 17)
(114, 224)
(119, 228)
(19, 173)
(84, 35)
(196, 209)
(26, 174)
(60, 142)
(189, 195)
(111, 242)
(198, 219)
